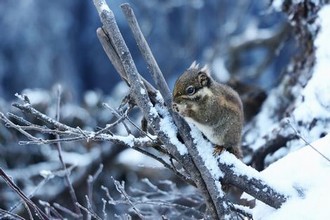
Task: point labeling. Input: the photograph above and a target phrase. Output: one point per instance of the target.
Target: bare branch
(59, 150)
(21, 194)
(66, 210)
(90, 183)
(4, 214)
(89, 210)
(121, 189)
(258, 159)
(28, 109)
(51, 209)
(115, 59)
(147, 54)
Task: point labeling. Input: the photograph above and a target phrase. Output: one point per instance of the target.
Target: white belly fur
(207, 131)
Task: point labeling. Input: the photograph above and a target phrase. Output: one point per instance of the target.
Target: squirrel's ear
(194, 65)
(204, 76)
(206, 70)
(203, 79)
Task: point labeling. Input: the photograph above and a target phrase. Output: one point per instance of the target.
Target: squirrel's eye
(190, 90)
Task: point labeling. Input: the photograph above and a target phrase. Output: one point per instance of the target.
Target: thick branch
(115, 60)
(258, 159)
(254, 185)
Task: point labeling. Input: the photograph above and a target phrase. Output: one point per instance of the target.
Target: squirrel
(214, 108)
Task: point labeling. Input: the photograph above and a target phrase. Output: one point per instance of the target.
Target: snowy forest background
(275, 54)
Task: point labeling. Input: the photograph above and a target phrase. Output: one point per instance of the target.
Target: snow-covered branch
(139, 94)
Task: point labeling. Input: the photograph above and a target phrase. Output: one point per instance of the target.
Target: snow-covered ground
(307, 172)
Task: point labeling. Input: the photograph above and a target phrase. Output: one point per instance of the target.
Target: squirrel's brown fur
(214, 108)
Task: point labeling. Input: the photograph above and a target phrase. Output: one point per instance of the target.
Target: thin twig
(21, 194)
(105, 215)
(41, 184)
(107, 193)
(42, 117)
(4, 214)
(90, 183)
(59, 150)
(20, 119)
(52, 141)
(66, 210)
(28, 211)
(125, 116)
(182, 176)
(89, 212)
(109, 126)
(89, 207)
(51, 209)
(17, 127)
(306, 142)
(121, 189)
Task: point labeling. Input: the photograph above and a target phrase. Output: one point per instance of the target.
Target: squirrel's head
(190, 88)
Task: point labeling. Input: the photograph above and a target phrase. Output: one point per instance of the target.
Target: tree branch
(145, 50)
(21, 194)
(258, 158)
(207, 184)
(59, 151)
(249, 180)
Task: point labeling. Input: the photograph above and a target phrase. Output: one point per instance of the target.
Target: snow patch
(134, 158)
(167, 125)
(36, 96)
(103, 6)
(315, 97)
(309, 173)
(205, 150)
(91, 98)
(46, 174)
(128, 140)
(142, 91)
(277, 5)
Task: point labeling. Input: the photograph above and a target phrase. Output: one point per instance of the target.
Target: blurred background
(45, 43)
